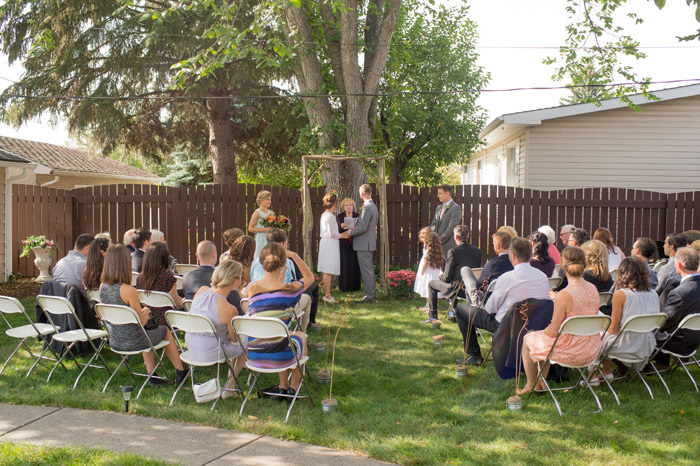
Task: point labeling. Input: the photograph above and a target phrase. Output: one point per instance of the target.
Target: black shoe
(181, 374)
(291, 392)
(471, 360)
(153, 382)
(272, 392)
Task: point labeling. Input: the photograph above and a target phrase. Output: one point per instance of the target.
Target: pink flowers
(36, 242)
(401, 283)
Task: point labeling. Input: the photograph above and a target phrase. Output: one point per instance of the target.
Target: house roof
(6, 156)
(536, 117)
(67, 160)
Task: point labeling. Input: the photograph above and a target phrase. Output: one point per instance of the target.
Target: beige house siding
(494, 163)
(3, 239)
(657, 149)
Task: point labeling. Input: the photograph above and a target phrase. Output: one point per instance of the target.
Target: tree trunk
(396, 166)
(221, 141)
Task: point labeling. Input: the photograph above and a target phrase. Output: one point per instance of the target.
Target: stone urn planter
(43, 262)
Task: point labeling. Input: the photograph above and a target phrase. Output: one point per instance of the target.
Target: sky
(510, 25)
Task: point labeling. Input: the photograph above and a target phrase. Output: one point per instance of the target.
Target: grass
(27, 455)
(400, 401)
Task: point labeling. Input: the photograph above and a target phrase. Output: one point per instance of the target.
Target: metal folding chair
(605, 298)
(646, 323)
(579, 326)
(94, 296)
(187, 304)
(269, 327)
(125, 315)
(193, 323)
(613, 274)
(184, 269)
(178, 282)
(23, 333)
(489, 290)
(690, 322)
(60, 305)
(554, 282)
(156, 299)
(134, 276)
(660, 263)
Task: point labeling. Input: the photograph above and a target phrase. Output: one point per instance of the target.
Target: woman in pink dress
(579, 298)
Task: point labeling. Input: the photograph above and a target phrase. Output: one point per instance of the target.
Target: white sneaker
(330, 300)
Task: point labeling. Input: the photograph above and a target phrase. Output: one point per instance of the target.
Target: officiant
(350, 278)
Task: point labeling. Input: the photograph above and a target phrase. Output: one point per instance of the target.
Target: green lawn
(26, 455)
(400, 401)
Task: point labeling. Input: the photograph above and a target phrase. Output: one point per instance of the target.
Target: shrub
(400, 283)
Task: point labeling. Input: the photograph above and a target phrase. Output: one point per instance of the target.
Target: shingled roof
(10, 157)
(62, 158)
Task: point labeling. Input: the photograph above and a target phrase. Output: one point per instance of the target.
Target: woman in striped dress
(271, 297)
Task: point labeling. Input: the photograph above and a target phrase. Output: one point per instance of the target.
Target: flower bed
(400, 283)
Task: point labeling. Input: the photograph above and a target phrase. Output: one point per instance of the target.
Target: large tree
(110, 66)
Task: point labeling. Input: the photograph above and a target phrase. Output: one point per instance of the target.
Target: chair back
(605, 298)
(156, 299)
(188, 322)
(659, 264)
(554, 282)
(477, 272)
(134, 276)
(187, 304)
(585, 325)
(178, 282)
(116, 314)
(613, 274)
(10, 305)
(557, 270)
(690, 322)
(94, 295)
(259, 327)
(184, 269)
(644, 323)
(55, 304)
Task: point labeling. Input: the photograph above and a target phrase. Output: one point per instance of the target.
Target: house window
(512, 166)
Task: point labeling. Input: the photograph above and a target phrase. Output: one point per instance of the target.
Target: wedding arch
(308, 218)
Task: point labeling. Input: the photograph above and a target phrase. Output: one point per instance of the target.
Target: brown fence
(189, 214)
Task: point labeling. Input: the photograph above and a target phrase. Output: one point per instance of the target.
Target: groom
(365, 241)
(447, 216)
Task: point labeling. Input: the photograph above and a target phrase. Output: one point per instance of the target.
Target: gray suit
(364, 241)
(445, 224)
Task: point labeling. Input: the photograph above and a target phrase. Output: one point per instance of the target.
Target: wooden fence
(188, 215)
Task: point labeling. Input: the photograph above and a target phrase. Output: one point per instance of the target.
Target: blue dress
(261, 238)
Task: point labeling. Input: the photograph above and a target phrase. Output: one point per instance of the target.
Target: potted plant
(43, 248)
(323, 377)
(439, 340)
(400, 284)
(330, 404)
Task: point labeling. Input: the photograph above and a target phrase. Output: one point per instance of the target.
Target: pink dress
(570, 350)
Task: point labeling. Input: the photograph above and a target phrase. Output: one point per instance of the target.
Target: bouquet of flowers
(36, 242)
(277, 221)
(400, 283)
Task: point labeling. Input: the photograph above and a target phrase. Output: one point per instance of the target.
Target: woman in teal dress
(264, 200)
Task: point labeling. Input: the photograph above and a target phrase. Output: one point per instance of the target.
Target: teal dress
(261, 238)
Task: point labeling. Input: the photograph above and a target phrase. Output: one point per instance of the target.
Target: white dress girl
(329, 247)
(424, 275)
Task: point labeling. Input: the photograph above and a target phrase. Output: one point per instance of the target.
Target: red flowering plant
(277, 221)
(400, 283)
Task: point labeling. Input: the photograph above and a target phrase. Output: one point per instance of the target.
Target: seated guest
(681, 302)
(201, 276)
(156, 276)
(565, 232)
(510, 230)
(493, 269)
(523, 282)
(551, 240)
(541, 259)
(243, 250)
(157, 236)
(256, 268)
(578, 237)
(142, 238)
(668, 275)
(580, 298)
(92, 274)
(69, 270)
(211, 302)
(230, 236)
(633, 297)
(105, 235)
(116, 289)
(692, 235)
(696, 245)
(615, 254)
(644, 249)
(129, 240)
(597, 271)
(271, 297)
(462, 255)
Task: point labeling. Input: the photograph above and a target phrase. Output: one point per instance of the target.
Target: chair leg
(41, 356)
(121, 363)
(184, 380)
(689, 375)
(250, 390)
(585, 380)
(544, 379)
(150, 376)
(296, 394)
(97, 354)
(60, 360)
(11, 355)
(659, 374)
(609, 386)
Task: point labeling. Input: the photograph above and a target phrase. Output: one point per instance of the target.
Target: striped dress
(272, 353)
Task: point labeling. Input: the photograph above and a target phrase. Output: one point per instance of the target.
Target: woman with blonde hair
(264, 200)
(510, 230)
(350, 278)
(597, 271)
(615, 254)
(329, 246)
(211, 302)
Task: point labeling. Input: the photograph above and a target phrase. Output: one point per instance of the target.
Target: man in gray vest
(447, 216)
(364, 241)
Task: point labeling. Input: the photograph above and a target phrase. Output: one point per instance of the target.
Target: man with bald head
(201, 276)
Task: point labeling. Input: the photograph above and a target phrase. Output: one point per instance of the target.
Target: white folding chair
(690, 322)
(557, 270)
(178, 282)
(489, 289)
(60, 305)
(660, 263)
(477, 272)
(187, 304)
(244, 305)
(23, 333)
(605, 298)
(265, 328)
(134, 276)
(193, 323)
(125, 315)
(645, 323)
(184, 269)
(156, 299)
(578, 326)
(554, 282)
(613, 274)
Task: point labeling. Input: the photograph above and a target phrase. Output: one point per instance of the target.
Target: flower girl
(431, 263)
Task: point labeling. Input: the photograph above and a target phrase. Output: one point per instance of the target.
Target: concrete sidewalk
(178, 442)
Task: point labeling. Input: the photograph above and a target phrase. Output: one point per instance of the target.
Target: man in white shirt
(523, 282)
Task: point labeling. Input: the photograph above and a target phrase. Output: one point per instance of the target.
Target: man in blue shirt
(69, 270)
